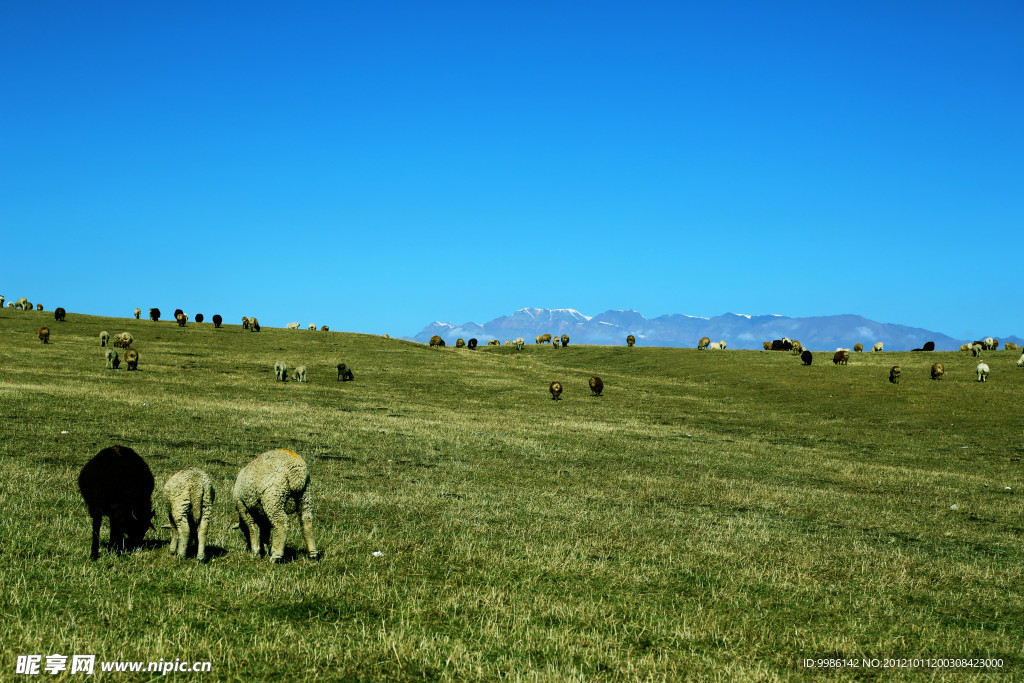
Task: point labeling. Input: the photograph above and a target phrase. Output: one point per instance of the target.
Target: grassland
(715, 515)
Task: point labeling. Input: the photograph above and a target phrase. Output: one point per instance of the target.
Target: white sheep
(300, 373)
(723, 344)
(983, 372)
(312, 327)
(291, 326)
(714, 346)
(519, 343)
(271, 487)
(976, 350)
(189, 496)
(878, 346)
(1020, 361)
(1, 300)
(281, 371)
(104, 338)
(138, 313)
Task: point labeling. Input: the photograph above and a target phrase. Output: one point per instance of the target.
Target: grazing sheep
(858, 347)
(543, 338)
(199, 317)
(471, 344)
(131, 357)
(767, 346)
(327, 329)
(39, 307)
(436, 340)
(806, 356)
(556, 342)
(312, 327)
(494, 342)
(113, 361)
(44, 334)
(271, 487)
(976, 350)
(596, 386)
(189, 497)
(292, 326)
(556, 390)
(798, 348)
(1020, 361)
(154, 314)
(181, 319)
(723, 344)
(118, 484)
(138, 313)
(938, 370)
(22, 304)
(703, 343)
(460, 343)
(104, 338)
(123, 340)
(928, 346)
(177, 312)
(300, 373)
(714, 346)
(344, 373)
(1010, 346)
(630, 340)
(281, 371)
(1, 301)
(782, 345)
(519, 343)
(894, 374)
(877, 347)
(990, 343)
(10, 304)
(983, 371)
(565, 340)
(841, 357)
(59, 314)
(217, 320)
(254, 325)
(245, 323)
(508, 343)
(965, 347)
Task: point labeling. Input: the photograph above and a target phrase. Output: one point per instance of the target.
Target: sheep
(520, 343)
(245, 323)
(703, 343)
(199, 317)
(39, 307)
(841, 357)
(894, 374)
(10, 304)
(983, 371)
(300, 373)
(782, 345)
(556, 390)
(806, 357)
(312, 327)
(990, 343)
(271, 487)
(44, 334)
(189, 496)
(131, 357)
(154, 314)
(292, 326)
(938, 370)
(928, 346)
(565, 340)
(344, 373)
(543, 338)
(177, 312)
(1010, 346)
(976, 350)
(508, 343)
(217, 320)
(436, 340)
(113, 361)
(327, 329)
(59, 314)
(181, 319)
(472, 343)
(596, 386)
(798, 348)
(556, 342)
(21, 304)
(630, 340)
(767, 346)
(723, 344)
(1, 300)
(877, 347)
(104, 338)
(965, 347)
(123, 340)
(495, 342)
(714, 346)
(858, 347)
(460, 343)
(138, 313)
(281, 371)
(254, 325)
(118, 484)
(1020, 361)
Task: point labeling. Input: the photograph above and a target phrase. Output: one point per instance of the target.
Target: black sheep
(217, 320)
(344, 373)
(806, 357)
(117, 483)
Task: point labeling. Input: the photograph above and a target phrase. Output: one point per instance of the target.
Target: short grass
(715, 515)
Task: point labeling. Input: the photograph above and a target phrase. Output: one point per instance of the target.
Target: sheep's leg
(97, 520)
(247, 523)
(201, 534)
(306, 519)
(278, 533)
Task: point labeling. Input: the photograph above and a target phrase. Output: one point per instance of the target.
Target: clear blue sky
(375, 166)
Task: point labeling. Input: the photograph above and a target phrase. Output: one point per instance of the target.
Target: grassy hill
(713, 514)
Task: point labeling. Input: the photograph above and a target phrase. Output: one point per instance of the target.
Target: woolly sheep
(292, 326)
(841, 357)
(344, 373)
(436, 340)
(189, 496)
(983, 372)
(965, 347)
(44, 334)
(271, 487)
(39, 307)
(722, 344)
(59, 314)
(154, 314)
(113, 361)
(199, 317)
(894, 374)
(118, 484)
(543, 338)
(938, 370)
(976, 350)
(312, 327)
(858, 347)
(519, 343)
(1020, 361)
(596, 386)
(177, 312)
(472, 343)
(556, 342)
(138, 313)
(806, 356)
(703, 343)
(1, 301)
(104, 338)
(281, 371)
(21, 303)
(245, 322)
(131, 357)
(798, 348)
(460, 343)
(565, 340)
(630, 340)
(878, 346)
(181, 319)
(714, 346)
(767, 345)
(10, 304)
(254, 325)
(217, 320)
(123, 340)
(327, 329)
(508, 343)
(494, 342)
(990, 343)
(556, 390)
(1010, 346)
(300, 373)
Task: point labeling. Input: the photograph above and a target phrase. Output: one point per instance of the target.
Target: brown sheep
(245, 322)
(39, 307)
(841, 357)
(254, 325)
(543, 338)
(325, 329)
(123, 340)
(703, 343)
(460, 343)
(1010, 346)
(565, 340)
(767, 345)
(630, 340)
(965, 347)
(857, 348)
(44, 334)
(596, 386)
(556, 390)
(938, 370)
(59, 314)
(181, 318)
(436, 340)
(131, 357)
(894, 374)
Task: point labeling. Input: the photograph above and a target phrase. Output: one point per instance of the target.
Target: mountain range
(738, 331)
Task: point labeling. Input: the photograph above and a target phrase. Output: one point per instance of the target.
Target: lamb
(217, 320)
(44, 334)
(104, 338)
(131, 357)
(59, 314)
(300, 373)
(703, 343)
(118, 484)
(472, 343)
(113, 362)
(271, 487)
(806, 357)
(841, 357)
(344, 373)
(858, 347)
(138, 313)
(894, 374)
(630, 340)
(199, 317)
(982, 371)
(281, 371)
(436, 340)
(543, 338)
(189, 496)
(556, 390)
(291, 326)
(565, 340)
(596, 386)
(181, 319)
(878, 346)
(723, 344)
(938, 370)
(154, 314)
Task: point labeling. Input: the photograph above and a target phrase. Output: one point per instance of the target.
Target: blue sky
(375, 166)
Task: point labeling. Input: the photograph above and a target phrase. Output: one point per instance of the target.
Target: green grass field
(715, 515)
